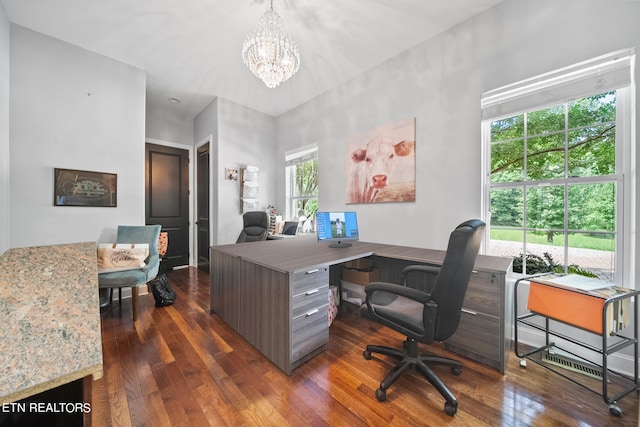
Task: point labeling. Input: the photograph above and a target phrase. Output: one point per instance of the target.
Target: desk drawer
(309, 331)
(309, 300)
(477, 337)
(309, 279)
(483, 294)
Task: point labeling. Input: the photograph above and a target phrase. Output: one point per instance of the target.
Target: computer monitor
(290, 228)
(339, 228)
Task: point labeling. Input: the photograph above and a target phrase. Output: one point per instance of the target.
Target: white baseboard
(126, 292)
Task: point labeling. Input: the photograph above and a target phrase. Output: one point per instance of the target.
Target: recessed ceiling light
(174, 100)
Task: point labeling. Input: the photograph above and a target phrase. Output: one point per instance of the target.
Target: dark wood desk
(275, 294)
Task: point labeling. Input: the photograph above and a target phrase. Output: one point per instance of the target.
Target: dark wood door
(202, 223)
(167, 197)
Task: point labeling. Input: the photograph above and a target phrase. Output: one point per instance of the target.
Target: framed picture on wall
(84, 188)
(381, 164)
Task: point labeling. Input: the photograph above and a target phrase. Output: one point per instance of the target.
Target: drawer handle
(312, 292)
(473, 313)
(312, 271)
(311, 313)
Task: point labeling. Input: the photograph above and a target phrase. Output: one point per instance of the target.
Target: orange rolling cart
(610, 313)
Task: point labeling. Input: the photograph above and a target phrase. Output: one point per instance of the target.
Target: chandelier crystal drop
(269, 53)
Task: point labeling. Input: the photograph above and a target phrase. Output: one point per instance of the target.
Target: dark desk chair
(255, 227)
(426, 316)
(134, 278)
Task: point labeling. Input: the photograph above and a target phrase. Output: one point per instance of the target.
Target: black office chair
(255, 227)
(426, 316)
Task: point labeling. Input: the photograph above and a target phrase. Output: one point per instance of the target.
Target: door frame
(191, 179)
(206, 141)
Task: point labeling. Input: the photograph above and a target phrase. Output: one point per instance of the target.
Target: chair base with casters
(411, 359)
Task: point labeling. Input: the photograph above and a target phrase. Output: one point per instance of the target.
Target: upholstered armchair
(134, 278)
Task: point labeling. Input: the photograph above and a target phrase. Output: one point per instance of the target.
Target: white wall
(245, 137)
(165, 126)
(205, 126)
(439, 82)
(241, 137)
(4, 130)
(71, 108)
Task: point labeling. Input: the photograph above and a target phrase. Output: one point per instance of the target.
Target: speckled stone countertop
(49, 318)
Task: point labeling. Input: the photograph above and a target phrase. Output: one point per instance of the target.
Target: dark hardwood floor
(181, 366)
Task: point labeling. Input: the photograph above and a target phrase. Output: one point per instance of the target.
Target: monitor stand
(340, 245)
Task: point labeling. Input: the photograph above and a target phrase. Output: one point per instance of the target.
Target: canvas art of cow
(372, 171)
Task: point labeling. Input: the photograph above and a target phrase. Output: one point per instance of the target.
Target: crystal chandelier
(269, 53)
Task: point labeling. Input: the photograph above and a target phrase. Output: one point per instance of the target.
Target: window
(302, 183)
(556, 161)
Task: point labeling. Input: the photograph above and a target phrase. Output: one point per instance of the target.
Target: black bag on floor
(162, 292)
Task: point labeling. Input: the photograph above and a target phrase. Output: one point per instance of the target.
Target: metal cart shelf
(611, 343)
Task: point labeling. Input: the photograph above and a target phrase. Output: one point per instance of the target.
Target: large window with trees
(556, 195)
(302, 183)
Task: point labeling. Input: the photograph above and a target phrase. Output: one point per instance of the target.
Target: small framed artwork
(84, 188)
(231, 174)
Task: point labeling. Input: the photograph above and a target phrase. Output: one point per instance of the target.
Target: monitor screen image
(290, 228)
(337, 227)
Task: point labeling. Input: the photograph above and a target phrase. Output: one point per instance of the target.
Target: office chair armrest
(423, 269)
(429, 269)
(414, 294)
(429, 319)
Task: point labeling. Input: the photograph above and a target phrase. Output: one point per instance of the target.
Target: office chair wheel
(381, 395)
(455, 370)
(615, 410)
(450, 408)
(367, 355)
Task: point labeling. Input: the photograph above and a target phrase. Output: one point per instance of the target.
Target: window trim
(495, 106)
(293, 158)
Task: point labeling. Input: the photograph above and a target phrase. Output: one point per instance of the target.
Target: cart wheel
(523, 362)
(367, 355)
(450, 408)
(381, 395)
(615, 410)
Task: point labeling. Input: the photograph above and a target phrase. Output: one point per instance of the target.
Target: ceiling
(190, 49)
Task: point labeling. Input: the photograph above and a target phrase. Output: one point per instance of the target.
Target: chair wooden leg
(134, 302)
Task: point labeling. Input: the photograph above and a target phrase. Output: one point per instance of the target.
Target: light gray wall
(71, 108)
(439, 82)
(164, 126)
(4, 130)
(205, 126)
(241, 137)
(245, 137)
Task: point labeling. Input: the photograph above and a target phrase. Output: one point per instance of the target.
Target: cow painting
(382, 167)
(374, 167)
